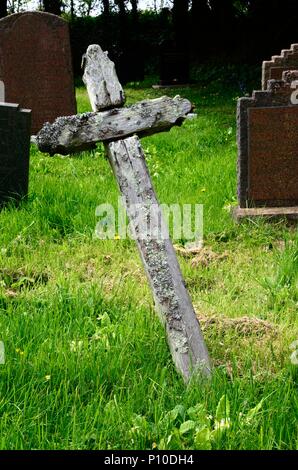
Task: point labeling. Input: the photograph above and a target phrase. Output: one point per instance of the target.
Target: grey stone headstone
(15, 124)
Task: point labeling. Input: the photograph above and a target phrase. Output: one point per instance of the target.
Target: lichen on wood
(116, 128)
(173, 302)
(100, 77)
(75, 133)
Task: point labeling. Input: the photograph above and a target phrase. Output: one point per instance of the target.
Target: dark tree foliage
(72, 10)
(134, 7)
(106, 7)
(272, 22)
(180, 24)
(201, 27)
(223, 24)
(3, 8)
(174, 53)
(204, 31)
(120, 31)
(53, 6)
(122, 21)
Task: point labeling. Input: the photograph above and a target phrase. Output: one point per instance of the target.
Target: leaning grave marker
(14, 152)
(36, 66)
(117, 127)
(267, 133)
(274, 68)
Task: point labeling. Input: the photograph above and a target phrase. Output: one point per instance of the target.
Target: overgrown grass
(87, 365)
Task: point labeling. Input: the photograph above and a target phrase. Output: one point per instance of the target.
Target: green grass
(87, 365)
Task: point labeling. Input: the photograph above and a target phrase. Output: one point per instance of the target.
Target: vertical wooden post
(173, 302)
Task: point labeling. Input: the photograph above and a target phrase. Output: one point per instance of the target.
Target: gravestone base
(181, 85)
(240, 214)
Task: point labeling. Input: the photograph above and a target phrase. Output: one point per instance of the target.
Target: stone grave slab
(267, 125)
(36, 66)
(15, 125)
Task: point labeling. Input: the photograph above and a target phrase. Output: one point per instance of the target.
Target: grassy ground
(87, 365)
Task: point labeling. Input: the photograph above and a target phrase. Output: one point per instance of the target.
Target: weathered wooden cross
(118, 128)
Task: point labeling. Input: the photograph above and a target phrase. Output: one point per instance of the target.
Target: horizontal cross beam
(74, 133)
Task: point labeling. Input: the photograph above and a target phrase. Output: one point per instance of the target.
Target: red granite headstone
(268, 146)
(273, 155)
(274, 68)
(36, 66)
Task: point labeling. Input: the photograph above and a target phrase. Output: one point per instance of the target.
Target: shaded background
(200, 32)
